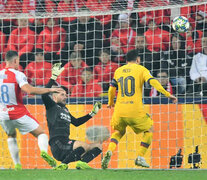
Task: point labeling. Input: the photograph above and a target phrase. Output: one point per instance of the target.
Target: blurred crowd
(92, 47)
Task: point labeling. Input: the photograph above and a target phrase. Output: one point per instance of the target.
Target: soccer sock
(115, 138)
(90, 155)
(75, 155)
(145, 143)
(43, 142)
(14, 150)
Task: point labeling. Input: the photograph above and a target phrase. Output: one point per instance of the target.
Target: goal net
(91, 38)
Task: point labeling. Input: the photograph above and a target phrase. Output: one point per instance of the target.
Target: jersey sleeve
(147, 75)
(21, 79)
(79, 121)
(46, 98)
(114, 81)
(156, 84)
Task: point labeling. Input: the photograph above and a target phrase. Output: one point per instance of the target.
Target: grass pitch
(37, 174)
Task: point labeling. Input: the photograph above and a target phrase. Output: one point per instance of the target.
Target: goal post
(91, 38)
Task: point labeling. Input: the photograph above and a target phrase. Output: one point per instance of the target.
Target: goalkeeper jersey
(59, 118)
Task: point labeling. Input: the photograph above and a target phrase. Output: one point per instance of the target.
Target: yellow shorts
(138, 125)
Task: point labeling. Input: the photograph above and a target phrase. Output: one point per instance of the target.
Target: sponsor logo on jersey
(7, 109)
(65, 117)
(25, 79)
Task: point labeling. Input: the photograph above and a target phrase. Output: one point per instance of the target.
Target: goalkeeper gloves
(95, 109)
(56, 70)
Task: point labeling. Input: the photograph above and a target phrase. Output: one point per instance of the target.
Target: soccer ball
(180, 24)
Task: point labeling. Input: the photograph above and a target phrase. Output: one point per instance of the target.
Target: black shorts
(61, 149)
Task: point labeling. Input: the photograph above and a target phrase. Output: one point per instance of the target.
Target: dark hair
(56, 85)
(181, 38)
(132, 55)
(39, 51)
(10, 55)
(104, 51)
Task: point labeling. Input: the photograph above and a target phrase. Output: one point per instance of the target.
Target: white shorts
(25, 124)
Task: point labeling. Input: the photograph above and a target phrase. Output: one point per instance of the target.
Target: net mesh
(91, 39)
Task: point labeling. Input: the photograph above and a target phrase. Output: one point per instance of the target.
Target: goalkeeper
(59, 119)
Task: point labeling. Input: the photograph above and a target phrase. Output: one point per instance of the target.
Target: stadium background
(175, 126)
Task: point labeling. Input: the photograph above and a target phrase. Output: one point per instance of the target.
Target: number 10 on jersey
(127, 86)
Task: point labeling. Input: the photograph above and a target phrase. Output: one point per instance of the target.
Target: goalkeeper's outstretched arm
(156, 84)
(81, 120)
(56, 71)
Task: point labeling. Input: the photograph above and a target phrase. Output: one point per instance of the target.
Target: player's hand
(110, 105)
(56, 90)
(173, 98)
(96, 108)
(56, 70)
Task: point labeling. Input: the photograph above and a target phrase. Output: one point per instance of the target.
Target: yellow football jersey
(129, 79)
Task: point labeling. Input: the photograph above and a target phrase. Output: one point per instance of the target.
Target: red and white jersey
(11, 103)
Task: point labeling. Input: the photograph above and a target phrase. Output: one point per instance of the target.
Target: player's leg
(42, 139)
(143, 147)
(14, 150)
(28, 124)
(115, 138)
(76, 151)
(9, 128)
(143, 125)
(145, 142)
(119, 125)
(92, 151)
(62, 150)
(120, 128)
(84, 153)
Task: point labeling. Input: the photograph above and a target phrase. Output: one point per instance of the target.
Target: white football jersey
(11, 102)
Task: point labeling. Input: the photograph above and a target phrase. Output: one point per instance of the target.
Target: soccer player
(13, 113)
(129, 110)
(59, 119)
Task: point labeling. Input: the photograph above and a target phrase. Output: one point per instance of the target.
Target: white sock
(43, 142)
(14, 150)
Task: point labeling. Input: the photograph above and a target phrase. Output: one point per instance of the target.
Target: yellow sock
(115, 138)
(145, 143)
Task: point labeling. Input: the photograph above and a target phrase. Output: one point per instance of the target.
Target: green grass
(103, 175)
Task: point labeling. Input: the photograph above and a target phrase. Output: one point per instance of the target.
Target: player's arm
(156, 84)
(112, 93)
(35, 90)
(81, 120)
(46, 98)
(56, 71)
(26, 87)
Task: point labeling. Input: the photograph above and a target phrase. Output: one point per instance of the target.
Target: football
(97, 133)
(180, 24)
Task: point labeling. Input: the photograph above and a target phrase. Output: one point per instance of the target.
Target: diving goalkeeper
(59, 119)
(129, 110)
